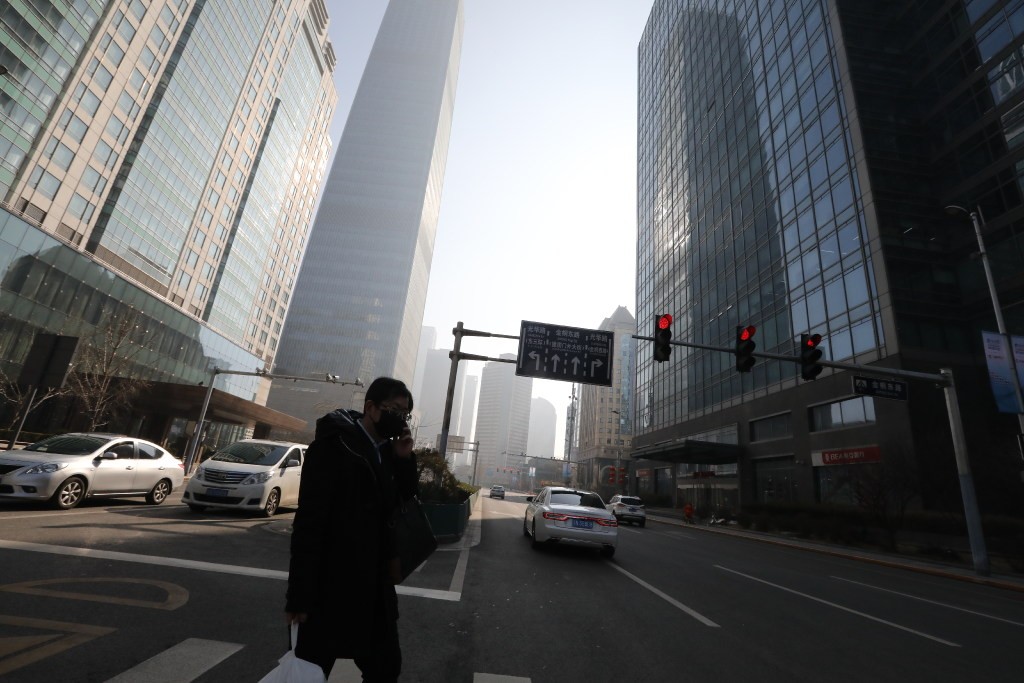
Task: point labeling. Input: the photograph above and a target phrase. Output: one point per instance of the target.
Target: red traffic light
(664, 322)
(747, 332)
(812, 341)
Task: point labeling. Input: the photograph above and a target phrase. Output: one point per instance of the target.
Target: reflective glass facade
(357, 309)
(794, 161)
(179, 146)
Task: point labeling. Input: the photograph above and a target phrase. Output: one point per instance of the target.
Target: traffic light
(745, 347)
(809, 356)
(611, 475)
(622, 475)
(662, 337)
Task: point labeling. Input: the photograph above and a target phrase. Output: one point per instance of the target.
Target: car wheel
(534, 543)
(69, 494)
(643, 523)
(159, 493)
(196, 508)
(273, 501)
(608, 551)
(526, 532)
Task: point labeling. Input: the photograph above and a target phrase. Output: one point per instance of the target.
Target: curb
(1009, 585)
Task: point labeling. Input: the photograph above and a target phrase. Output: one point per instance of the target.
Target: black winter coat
(341, 536)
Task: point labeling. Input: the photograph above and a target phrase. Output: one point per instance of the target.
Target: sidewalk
(949, 570)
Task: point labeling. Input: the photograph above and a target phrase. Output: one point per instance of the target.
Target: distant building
(428, 340)
(150, 169)
(502, 423)
(357, 310)
(606, 414)
(543, 418)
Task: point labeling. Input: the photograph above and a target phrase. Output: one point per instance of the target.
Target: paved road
(119, 591)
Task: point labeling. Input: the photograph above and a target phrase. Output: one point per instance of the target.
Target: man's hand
(403, 445)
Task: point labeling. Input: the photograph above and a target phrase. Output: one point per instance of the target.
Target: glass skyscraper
(794, 160)
(358, 305)
(176, 145)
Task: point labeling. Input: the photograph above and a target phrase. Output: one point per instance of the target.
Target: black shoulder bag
(414, 538)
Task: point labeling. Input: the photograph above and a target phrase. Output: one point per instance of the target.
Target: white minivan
(252, 474)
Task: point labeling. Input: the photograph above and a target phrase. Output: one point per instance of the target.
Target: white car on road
(564, 515)
(68, 468)
(252, 474)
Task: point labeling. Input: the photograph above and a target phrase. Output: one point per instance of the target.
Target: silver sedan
(68, 468)
(565, 515)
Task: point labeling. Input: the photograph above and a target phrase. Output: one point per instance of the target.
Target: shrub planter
(448, 520)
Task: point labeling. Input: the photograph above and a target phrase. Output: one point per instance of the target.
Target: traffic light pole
(456, 355)
(193, 444)
(944, 379)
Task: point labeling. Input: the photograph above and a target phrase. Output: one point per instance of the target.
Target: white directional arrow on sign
(575, 365)
(554, 362)
(594, 364)
(536, 359)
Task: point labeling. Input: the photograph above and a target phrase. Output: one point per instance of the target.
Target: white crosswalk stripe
(183, 663)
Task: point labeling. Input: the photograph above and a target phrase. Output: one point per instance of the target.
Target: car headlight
(198, 476)
(46, 468)
(257, 478)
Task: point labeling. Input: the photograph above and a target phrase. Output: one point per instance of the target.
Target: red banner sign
(847, 456)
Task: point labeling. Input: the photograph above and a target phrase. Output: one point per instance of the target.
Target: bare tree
(102, 377)
(15, 398)
(885, 490)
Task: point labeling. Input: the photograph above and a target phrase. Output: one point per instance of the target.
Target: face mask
(389, 426)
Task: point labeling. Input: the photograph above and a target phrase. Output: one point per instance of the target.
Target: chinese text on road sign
(570, 354)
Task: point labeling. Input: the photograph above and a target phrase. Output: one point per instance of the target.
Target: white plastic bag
(291, 669)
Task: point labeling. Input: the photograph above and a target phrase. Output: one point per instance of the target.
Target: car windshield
(589, 500)
(69, 444)
(630, 501)
(497, 488)
(251, 453)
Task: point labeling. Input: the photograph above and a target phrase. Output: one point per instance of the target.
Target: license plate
(582, 524)
(217, 492)
(632, 509)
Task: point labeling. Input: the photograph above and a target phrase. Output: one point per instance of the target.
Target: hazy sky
(538, 215)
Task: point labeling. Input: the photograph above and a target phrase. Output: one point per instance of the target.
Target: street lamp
(977, 220)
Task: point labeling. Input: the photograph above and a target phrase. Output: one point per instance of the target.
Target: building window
(851, 412)
(775, 427)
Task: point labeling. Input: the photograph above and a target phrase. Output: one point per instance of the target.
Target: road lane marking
(497, 678)
(931, 602)
(176, 595)
(840, 607)
(429, 593)
(79, 633)
(185, 662)
(667, 598)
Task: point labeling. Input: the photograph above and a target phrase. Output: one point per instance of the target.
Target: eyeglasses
(404, 415)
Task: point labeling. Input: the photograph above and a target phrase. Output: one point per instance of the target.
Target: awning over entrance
(691, 452)
(185, 400)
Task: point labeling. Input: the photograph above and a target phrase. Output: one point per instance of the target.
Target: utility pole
(193, 444)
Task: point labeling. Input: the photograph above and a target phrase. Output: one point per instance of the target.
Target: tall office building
(161, 159)
(792, 172)
(467, 420)
(606, 413)
(358, 305)
(428, 341)
(502, 422)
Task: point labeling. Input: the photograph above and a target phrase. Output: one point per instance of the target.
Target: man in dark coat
(344, 564)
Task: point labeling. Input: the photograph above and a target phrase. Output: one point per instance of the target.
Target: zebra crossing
(191, 658)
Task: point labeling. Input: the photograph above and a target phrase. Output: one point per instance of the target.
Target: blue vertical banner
(1000, 371)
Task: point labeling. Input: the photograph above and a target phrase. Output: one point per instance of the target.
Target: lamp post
(977, 220)
(193, 444)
